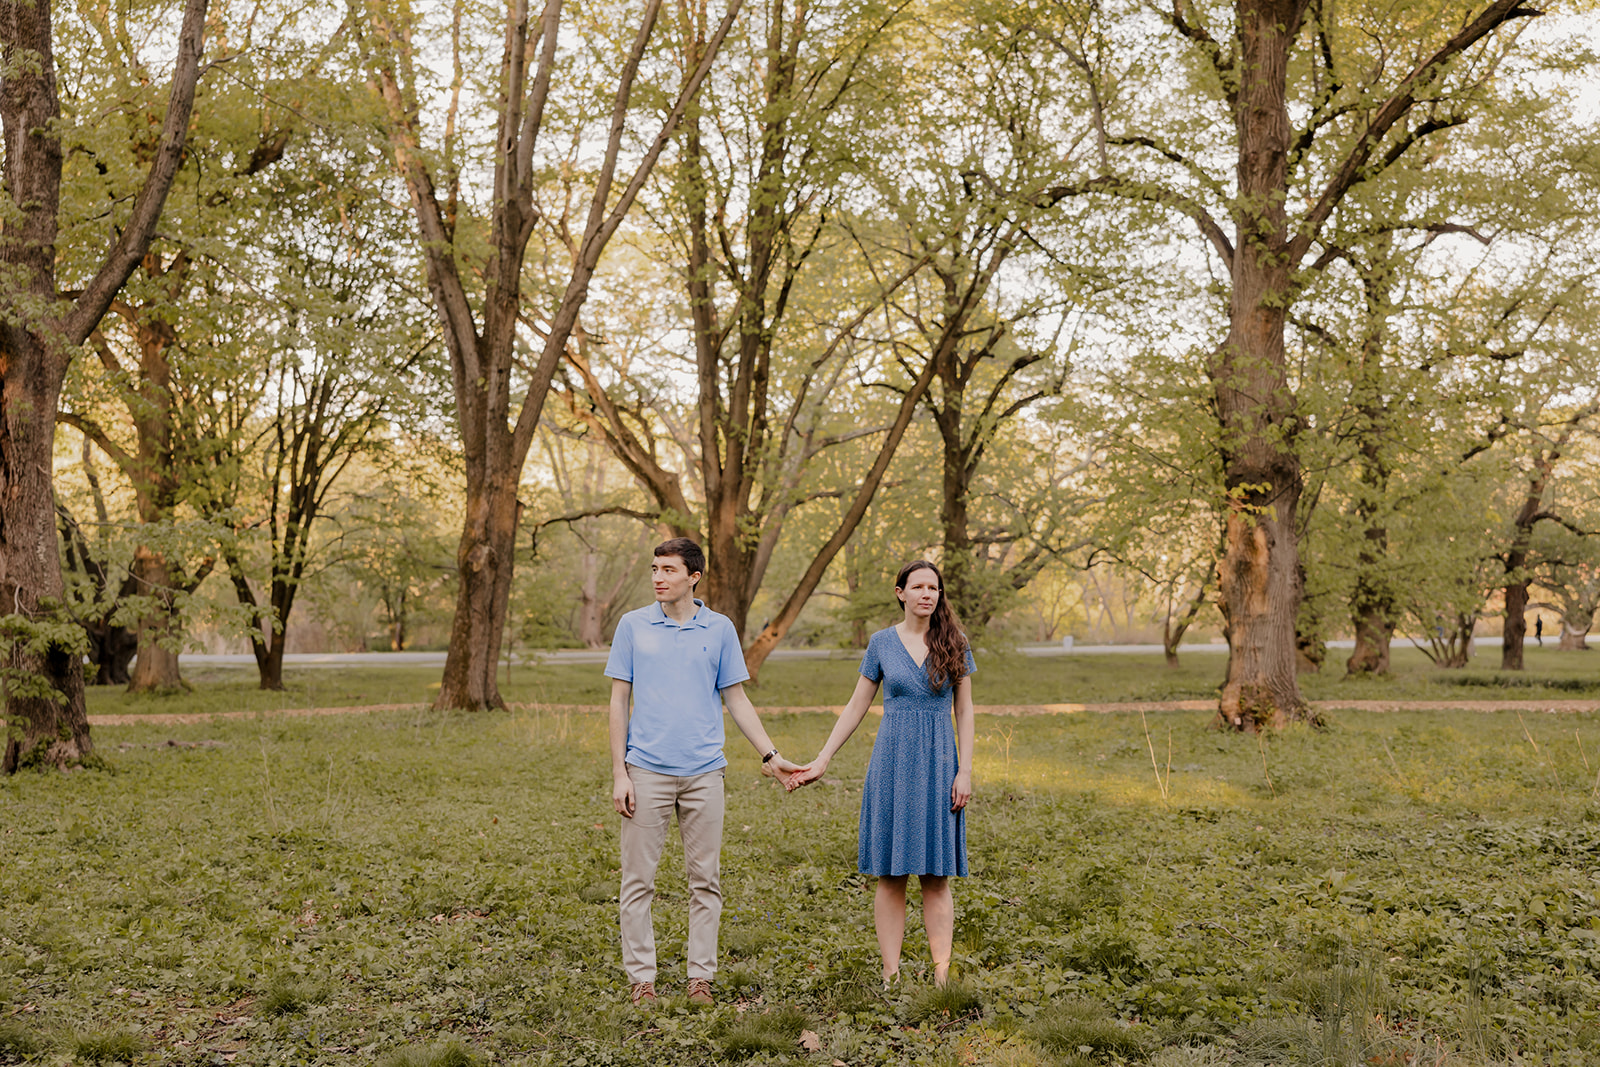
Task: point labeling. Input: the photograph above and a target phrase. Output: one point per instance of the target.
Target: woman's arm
(961, 789)
(849, 719)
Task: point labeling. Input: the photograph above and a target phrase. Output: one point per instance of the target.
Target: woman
(920, 778)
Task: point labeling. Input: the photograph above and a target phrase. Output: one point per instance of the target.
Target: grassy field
(1002, 679)
(406, 888)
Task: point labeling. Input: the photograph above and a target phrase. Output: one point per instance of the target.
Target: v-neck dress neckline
(907, 650)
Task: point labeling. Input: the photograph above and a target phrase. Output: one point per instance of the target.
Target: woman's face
(921, 593)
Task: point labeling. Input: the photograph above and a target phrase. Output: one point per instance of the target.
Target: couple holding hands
(675, 663)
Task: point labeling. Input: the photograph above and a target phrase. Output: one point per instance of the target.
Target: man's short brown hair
(693, 556)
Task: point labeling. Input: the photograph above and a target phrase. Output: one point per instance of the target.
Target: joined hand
(778, 767)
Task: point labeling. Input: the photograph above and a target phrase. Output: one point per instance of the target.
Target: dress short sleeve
(871, 664)
(972, 664)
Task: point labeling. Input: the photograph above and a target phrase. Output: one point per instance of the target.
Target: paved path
(1481, 706)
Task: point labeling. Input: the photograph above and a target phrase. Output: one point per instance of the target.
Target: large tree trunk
(484, 567)
(1374, 634)
(157, 665)
(1515, 633)
(1259, 576)
(1575, 634)
(45, 710)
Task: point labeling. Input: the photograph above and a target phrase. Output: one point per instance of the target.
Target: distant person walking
(678, 662)
(1538, 629)
(913, 806)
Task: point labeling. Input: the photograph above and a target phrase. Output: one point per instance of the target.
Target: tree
(40, 331)
(149, 399)
(348, 353)
(749, 208)
(482, 332)
(1355, 120)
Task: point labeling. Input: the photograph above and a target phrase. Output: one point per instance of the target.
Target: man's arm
(749, 724)
(622, 796)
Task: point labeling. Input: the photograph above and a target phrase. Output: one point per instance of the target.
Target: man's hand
(805, 775)
(622, 797)
(778, 767)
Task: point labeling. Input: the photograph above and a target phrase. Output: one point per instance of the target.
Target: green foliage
(1416, 885)
(1086, 1027)
(447, 1054)
(18, 1041)
(107, 1046)
(773, 1030)
(25, 638)
(290, 993)
(943, 1005)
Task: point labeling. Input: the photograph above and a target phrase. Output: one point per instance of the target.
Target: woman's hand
(961, 791)
(806, 775)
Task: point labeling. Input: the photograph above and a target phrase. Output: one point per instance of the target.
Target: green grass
(407, 887)
(1003, 678)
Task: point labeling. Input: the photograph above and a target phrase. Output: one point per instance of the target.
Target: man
(679, 662)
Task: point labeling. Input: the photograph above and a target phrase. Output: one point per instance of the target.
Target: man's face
(671, 578)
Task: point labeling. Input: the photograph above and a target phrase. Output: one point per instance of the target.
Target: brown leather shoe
(700, 992)
(643, 995)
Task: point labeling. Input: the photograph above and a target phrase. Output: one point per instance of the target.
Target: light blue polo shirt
(678, 674)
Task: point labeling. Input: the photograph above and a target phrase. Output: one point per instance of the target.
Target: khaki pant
(699, 804)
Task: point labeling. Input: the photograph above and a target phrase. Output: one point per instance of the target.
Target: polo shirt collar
(699, 620)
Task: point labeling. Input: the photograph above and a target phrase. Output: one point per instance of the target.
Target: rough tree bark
(38, 339)
(494, 438)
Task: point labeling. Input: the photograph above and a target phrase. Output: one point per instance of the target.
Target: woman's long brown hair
(947, 644)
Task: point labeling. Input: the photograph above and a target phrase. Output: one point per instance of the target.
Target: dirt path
(1554, 706)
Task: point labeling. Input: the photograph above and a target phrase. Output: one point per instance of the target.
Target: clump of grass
(1183, 1056)
(107, 1046)
(745, 941)
(1069, 1026)
(18, 1041)
(943, 1003)
(777, 1030)
(739, 979)
(598, 893)
(289, 993)
(450, 1053)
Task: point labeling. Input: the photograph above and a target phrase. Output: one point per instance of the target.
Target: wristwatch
(768, 757)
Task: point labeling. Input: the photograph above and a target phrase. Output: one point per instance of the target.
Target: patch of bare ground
(1482, 706)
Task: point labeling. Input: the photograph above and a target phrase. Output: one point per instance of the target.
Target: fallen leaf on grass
(810, 1041)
